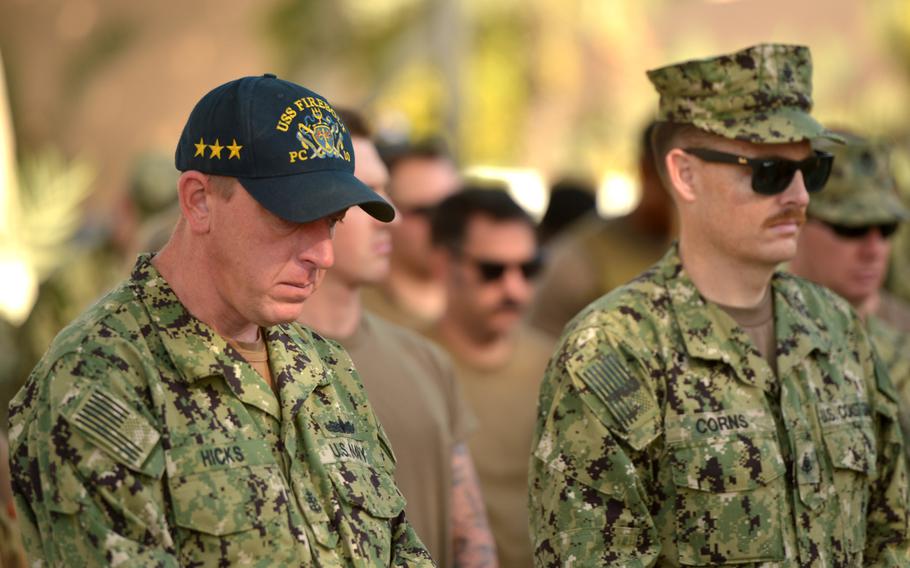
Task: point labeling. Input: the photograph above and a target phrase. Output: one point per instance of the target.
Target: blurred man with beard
(410, 382)
(846, 244)
(489, 256)
(715, 411)
(421, 175)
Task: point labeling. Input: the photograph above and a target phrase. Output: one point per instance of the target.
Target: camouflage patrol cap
(861, 188)
(760, 94)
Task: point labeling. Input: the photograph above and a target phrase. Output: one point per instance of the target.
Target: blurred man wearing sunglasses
(846, 244)
(714, 411)
(489, 256)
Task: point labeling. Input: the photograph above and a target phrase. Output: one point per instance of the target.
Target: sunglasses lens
(771, 177)
(847, 232)
(816, 171)
(887, 230)
(490, 271)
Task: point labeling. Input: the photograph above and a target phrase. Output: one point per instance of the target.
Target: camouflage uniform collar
(197, 351)
(798, 332)
(710, 333)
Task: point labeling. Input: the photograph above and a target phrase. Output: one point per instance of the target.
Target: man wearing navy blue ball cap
(184, 419)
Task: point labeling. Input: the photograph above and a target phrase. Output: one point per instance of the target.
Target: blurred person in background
(570, 199)
(420, 176)
(410, 381)
(716, 411)
(100, 256)
(596, 255)
(845, 245)
(185, 419)
(898, 280)
(488, 252)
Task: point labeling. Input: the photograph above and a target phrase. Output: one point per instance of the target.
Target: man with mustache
(488, 255)
(184, 419)
(715, 411)
(846, 245)
(410, 381)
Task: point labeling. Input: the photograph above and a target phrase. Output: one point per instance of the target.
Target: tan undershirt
(256, 354)
(758, 323)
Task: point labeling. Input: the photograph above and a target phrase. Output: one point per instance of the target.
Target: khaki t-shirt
(380, 304)
(411, 384)
(505, 403)
(257, 355)
(758, 323)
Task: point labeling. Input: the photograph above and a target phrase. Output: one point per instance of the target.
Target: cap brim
(858, 210)
(781, 126)
(306, 197)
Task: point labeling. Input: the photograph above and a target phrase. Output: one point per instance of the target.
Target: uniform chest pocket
(851, 449)
(225, 489)
(363, 486)
(728, 500)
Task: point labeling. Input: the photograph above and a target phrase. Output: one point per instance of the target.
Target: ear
(194, 195)
(682, 173)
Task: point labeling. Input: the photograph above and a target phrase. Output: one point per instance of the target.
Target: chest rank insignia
(320, 134)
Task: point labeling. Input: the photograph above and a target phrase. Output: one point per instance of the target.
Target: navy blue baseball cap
(284, 143)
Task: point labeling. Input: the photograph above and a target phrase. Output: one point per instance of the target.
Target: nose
(873, 244)
(315, 243)
(796, 193)
(515, 285)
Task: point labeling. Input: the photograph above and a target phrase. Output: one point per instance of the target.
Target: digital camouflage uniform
(142, 438)
(861, 192)
(664, 437)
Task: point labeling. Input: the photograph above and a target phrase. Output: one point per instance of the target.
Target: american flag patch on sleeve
(114, 426)
(626, 399)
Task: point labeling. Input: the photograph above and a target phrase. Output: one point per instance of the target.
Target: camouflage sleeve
(87, 465)
(887, 529)
(590, 483)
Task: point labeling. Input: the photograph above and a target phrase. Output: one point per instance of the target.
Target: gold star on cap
(235, 149)
(216, 149)
(200, 148)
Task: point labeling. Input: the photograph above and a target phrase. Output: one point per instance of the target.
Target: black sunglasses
(492, 271)
(771, 176)
(859, 232)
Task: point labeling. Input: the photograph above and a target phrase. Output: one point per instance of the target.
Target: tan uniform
(376, 300)
(505, 403)
(592, 258)
(412, 387)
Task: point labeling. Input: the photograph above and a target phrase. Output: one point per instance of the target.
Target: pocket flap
(738, 463)
(852, 447)
(367, 488)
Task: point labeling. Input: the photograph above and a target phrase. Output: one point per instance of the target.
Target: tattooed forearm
(473, 541)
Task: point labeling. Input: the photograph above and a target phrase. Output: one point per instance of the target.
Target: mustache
(510, 305)
(789, 215)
